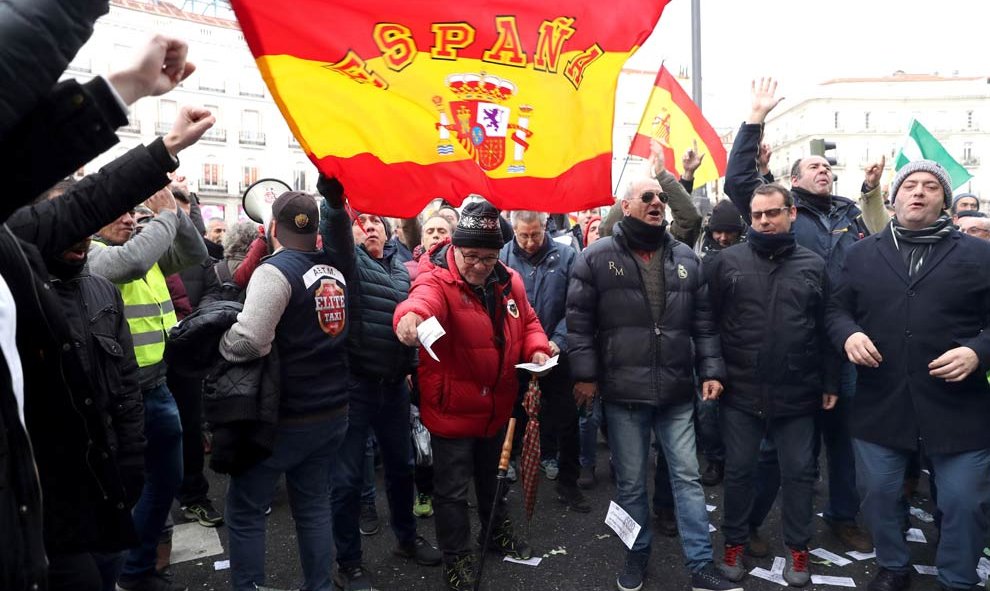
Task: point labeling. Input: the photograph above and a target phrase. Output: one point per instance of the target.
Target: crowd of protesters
(791, 321)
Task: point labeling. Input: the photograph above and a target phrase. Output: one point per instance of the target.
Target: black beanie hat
(726, 218)
(479, 227)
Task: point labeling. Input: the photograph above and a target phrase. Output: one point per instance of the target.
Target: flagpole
(645, 106)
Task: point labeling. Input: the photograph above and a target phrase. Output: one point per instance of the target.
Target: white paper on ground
(710, 508)
(835, 581)
(221, 565)
(822, 515)
(768, 576)
(922, 515)
(622, 524)
(983, 569)
(534, 561)
(916, 535)
(192, 541)
(830, 556)
(428, 332)
(711, 528)
(925, 569)
(778, 565)
(862, 555)
(537, 368)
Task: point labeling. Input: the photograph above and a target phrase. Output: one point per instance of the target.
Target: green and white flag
(922, 145)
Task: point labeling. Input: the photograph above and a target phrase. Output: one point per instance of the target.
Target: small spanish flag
(409, 100)
(676, 123)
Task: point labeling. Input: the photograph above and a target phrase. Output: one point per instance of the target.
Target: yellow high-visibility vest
(150, 314)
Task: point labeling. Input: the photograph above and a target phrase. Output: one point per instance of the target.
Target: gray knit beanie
(929, 166)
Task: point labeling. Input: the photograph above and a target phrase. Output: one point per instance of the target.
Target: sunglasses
(769, 213)
(649, 196)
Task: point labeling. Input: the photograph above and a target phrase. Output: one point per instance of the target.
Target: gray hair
(238, 239)
(634, 188)
(528, 217)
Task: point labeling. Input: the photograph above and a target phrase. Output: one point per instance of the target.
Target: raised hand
(763, 158)
(190, 125)
(691, 161)
(656, 161)
(159, 68)
(764, 99)
(163, 200)
(874, 171)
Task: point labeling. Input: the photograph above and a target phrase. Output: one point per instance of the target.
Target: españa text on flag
(676, 123)
(406, 101)
(922, 145)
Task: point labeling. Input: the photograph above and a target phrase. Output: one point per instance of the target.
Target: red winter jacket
(471, 391)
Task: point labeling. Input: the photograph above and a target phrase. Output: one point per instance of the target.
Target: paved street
(580, 551)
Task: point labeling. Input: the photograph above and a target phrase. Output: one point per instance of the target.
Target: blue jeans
(963, 498)
(368, 475)
(588, 422)
(163, 476)
(303, 453)
(629, 429)
(383, 408)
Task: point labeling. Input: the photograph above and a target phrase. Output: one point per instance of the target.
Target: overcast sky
(803, 43)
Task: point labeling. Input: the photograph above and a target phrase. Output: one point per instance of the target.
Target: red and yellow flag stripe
(409, 101)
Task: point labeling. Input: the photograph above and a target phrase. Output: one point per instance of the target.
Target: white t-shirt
(8, 344)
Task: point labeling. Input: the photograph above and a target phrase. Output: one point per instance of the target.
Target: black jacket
(93, 514)
(374, 350)
(611, 336)
(770, 315)
(56, 379)
(913, 321)
(829, 235)
(240, 400)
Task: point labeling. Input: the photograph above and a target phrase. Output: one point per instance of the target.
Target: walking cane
(503, 468)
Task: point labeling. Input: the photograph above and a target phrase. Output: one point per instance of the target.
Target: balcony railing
(131, 127)
(212, 85)
(294, 143)
(252, 138)
(971, 161)
(215, 134)
(219, 187)
(248, 91)
(82, 68)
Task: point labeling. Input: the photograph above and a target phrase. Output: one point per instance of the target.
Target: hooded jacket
(470, 392)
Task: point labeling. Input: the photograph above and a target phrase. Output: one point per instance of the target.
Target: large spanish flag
(676, 123)
(408, 100)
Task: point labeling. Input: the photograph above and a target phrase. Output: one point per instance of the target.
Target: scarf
(916, 245)
(770, 245)
(642, 236)
(822, 203)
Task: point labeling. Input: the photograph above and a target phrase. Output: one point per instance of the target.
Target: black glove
(332, 190)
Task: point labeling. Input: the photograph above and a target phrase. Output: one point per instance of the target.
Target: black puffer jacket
(770, 315)
(240, 400)
(380, 285)
(611, 336)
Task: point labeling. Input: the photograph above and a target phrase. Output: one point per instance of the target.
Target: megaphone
(258, 199)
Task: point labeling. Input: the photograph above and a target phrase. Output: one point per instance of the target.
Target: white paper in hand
(622, 524)
(428, 332)
(537, 368)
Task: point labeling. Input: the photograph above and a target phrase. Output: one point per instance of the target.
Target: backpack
(229, 290)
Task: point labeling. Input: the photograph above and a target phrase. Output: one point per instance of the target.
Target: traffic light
(819, 147)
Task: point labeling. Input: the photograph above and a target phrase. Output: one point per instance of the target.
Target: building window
(211, 76)
(969, 120)
(249, 174)
(251, 128)
(968, 153)
(212, 173)
(251, 83)
(299, 178)
(866, 120)
(835, 119)
(166, 116)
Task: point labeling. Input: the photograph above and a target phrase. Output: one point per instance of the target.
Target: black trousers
(456, 462)
(188, 394)
(74, 572)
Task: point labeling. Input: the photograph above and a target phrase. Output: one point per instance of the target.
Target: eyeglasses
(769, 213)
(473, 259)
(649, 196)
